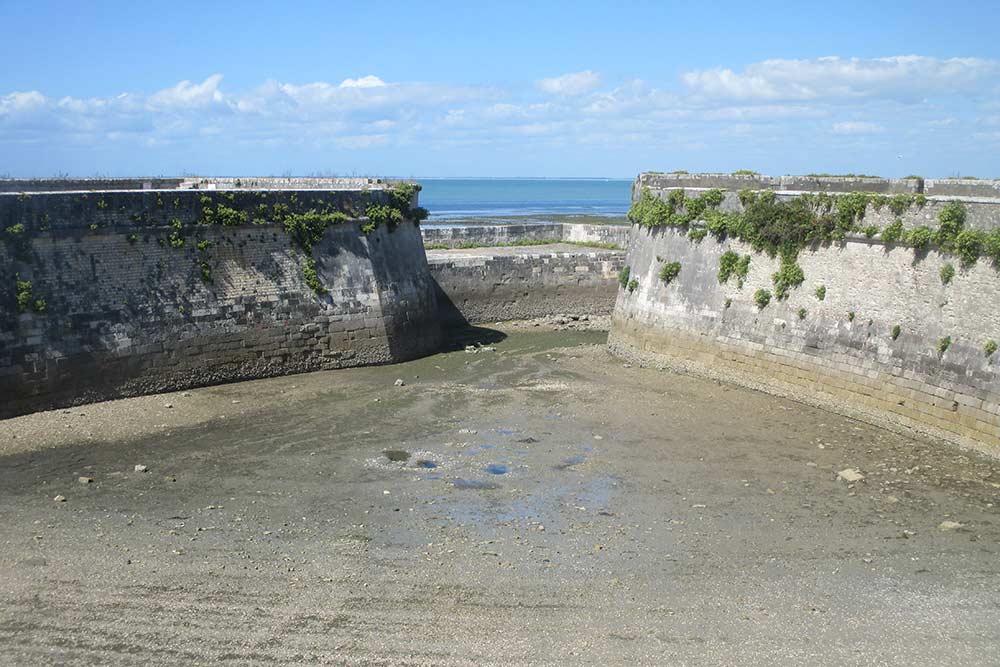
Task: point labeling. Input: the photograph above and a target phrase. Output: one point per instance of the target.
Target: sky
(552, 89)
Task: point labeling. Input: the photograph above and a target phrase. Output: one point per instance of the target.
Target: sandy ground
(536, 503)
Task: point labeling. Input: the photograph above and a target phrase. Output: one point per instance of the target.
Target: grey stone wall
(497, 284)
(842, 353)
(486, 235)
(126, 313)
(454, 236)
(188, 183)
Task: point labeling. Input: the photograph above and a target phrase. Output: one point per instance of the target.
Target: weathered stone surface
(126, 313)
(829, 358)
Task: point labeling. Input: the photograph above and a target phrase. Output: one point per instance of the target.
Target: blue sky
(499, 88)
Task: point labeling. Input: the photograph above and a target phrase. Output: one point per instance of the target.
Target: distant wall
(188, 183)
(486, 235)
(938, 187)
(134, 305)
(489, 286)
(841, 353)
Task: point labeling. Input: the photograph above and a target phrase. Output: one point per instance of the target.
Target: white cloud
(576, 83)
(187, 95)
(369, 81)
(906, 78)
(857, 127)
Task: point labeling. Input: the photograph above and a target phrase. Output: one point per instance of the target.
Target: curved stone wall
(128, 294)
(843, 352)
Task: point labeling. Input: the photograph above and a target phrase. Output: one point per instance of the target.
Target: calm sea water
(495, 197)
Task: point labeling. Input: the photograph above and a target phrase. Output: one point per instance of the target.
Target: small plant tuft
(312, 277)
(669, 271)
(623, 275)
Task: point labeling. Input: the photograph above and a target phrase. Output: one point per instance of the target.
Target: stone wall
(939, 187)
(455, 236)
(27, 185)
(497, 284)
(139, 298)
(841, 352)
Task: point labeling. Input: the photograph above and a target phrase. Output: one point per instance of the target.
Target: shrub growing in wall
(669, 271)
(893, 231)
(732, 264)
(788, 276)
(623, 275)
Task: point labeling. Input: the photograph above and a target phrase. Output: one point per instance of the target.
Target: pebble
(140, 468)
(850, 475)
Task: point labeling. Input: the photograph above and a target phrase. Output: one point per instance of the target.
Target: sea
(452, 199)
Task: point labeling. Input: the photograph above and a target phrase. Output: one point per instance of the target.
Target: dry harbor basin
(401, 478)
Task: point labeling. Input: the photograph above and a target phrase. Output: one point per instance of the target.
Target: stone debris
(60, 499)
(399, 382)
(850, 475)
(85, 480)
(140, 468)
(950, 525)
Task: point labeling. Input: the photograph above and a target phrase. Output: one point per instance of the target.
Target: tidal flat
(528, 500)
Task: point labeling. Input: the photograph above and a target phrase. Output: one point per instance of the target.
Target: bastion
(119, 287)
(876, 298)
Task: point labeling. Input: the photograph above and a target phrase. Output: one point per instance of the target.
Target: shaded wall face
(490, 288)
(842, 350)
(127, 312)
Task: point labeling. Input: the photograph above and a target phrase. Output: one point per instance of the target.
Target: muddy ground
(531, 504)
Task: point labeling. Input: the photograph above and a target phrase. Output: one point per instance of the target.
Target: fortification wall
(890, 341)
(27, 185)
(497, 284)
(455, 236)
(489, 235)
(132, 292)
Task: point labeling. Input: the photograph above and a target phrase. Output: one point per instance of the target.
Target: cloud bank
(898, 105)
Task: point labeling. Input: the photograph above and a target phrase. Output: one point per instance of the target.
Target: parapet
(192, 183)
(939, 187)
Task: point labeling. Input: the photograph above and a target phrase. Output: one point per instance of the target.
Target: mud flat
(529, 500)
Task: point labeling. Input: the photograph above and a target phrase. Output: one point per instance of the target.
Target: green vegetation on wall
(23, 296)
(732, 264)
(623, 275)
(669, 271)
